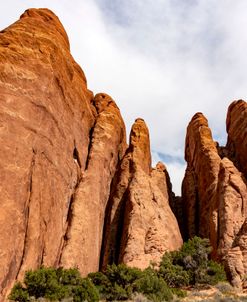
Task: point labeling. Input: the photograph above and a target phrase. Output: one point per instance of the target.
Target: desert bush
(216, 272)
(191, 265)
(173, 274)
(177, 292)
(54, 285)
(152, 286)
(120, 282)
(19, 293)
(116, 283)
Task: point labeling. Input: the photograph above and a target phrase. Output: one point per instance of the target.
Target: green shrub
(19, 293)
(179, 292)
(116, 282)
(44, 283)
(153, 287)
(191, 265)
(173, 274)
(54, 285)
(216, 273)
(120, 282)
(85, 291)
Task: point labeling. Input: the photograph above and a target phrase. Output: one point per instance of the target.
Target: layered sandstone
(140, 225)
(83, 240)
(46, 117)
(201, 176)
(73, 194)
(59, 150)
(64, 164)
(214, 189)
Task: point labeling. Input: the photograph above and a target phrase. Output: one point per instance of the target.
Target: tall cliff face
(201, 176)
(64, 164)
(46, 117)
(83, 240)
(214, 189)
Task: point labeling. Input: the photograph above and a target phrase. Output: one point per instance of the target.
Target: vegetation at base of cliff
(54, 285)
(120, 282)
(188, 266)
(191, 265)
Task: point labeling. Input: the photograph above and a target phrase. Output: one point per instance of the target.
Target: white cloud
(161, 60)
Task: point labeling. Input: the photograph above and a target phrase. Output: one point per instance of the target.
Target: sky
(161, 60)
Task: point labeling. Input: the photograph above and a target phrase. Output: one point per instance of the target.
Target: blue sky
(161, 60)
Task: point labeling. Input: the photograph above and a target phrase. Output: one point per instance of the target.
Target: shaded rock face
(64, 165)
(140, 225)
(214, 189)
(85, 230)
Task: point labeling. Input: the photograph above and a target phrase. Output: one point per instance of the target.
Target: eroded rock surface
(201, 176)
(107, 146)
(214, 190)
(236, 124)
(59, 150)
(140, 224)
(45, 121)
(72, 192)
(63, 164)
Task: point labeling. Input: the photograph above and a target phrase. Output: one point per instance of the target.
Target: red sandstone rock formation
(214, 190)
(71, 191)
(237, 134)
(140, 226)
(60, 149)
(83, 241)
(200, 181)
(46, 117)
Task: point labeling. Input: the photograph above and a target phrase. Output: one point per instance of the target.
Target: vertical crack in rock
(71, 203)
(90, 144)
(76, 157)
(27, 206)
(114, 222)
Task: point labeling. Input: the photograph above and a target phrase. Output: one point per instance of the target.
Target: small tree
(191, 265)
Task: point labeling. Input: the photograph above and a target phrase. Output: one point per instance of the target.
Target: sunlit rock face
(74, 194)
(140, 225)
(214, 190)
(46, 117)
(64, 167)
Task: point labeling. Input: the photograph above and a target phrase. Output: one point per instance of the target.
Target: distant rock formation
(214, 189)
(71, 195)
